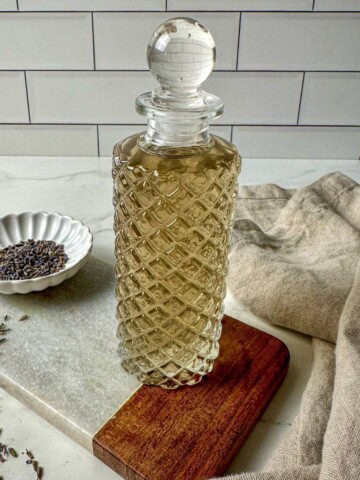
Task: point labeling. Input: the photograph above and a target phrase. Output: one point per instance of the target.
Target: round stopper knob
(181, 55)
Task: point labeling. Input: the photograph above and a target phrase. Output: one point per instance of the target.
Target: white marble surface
(62, 362)
(60, 457)
(81, 187)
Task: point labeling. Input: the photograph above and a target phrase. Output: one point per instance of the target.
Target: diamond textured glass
(174, 197)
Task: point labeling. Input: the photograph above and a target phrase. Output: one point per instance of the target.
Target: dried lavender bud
(31, 259)
(2, 340)
(12, 452)
(29, 454)
(6, 317)
(39, 472)
(24, 317)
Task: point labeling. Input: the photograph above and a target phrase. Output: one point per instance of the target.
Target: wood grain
(193, 433)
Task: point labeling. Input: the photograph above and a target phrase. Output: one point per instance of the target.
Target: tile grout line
(93, 39)
(185, 11)
(17, 4)
(98, 140)
(300, 100)
(255, 125)
(231, 133)
(27, 97)
(166, 5)
(143, 70)
(313, 5)
(238, 43)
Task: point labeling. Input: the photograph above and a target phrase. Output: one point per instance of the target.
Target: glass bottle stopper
(181, 55)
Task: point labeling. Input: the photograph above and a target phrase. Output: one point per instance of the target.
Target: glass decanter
(174, 197)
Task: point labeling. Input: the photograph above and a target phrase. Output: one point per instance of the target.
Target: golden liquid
(173, 220)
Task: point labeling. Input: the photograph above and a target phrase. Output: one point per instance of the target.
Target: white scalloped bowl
(73, 234)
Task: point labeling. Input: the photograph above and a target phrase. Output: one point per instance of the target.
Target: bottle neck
(162, 133)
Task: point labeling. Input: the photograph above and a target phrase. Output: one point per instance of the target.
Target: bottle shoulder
(131, 146)
(225, 144)
(128, 143)
(218, 153)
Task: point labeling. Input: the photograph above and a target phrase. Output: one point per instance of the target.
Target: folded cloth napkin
(295, 262)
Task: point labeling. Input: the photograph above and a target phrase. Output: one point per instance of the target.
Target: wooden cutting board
(193, 433)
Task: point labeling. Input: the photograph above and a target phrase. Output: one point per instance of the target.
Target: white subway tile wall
(299, 41)
(49, 140)
(298, 142)
(8, 5)
(257, 97)
(92, 5)
(340, 5)
(46, 41)
(86, 97)
(13, 104)
(240, 5)
(331, 99)
(288, 71)
(121, 38)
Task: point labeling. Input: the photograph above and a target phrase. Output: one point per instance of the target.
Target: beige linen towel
(295, 262)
